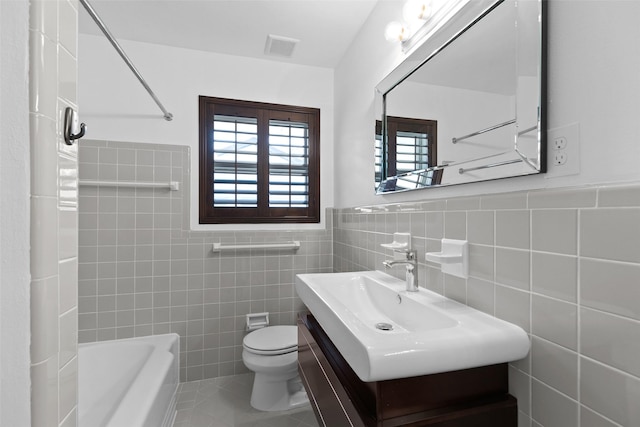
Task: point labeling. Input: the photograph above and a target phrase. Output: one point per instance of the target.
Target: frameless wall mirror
(468, 104)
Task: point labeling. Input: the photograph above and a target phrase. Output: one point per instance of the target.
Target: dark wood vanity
(475, 397)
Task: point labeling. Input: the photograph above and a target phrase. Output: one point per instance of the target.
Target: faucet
(412, 269)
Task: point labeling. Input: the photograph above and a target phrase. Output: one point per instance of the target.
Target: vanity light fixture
(414, 13)
(421, 19)
(417, 11)
(396, 31)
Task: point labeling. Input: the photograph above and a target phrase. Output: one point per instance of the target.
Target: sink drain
(384, 326)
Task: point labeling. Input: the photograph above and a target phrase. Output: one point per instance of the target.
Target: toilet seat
(272, 340)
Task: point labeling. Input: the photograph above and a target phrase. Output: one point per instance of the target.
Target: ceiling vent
(280, 46)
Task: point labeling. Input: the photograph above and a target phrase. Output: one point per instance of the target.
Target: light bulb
(417, 10)
(396, 31)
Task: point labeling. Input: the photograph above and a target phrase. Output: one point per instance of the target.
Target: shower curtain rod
(167, 115)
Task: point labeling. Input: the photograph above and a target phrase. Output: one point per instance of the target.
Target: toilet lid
(272, 340)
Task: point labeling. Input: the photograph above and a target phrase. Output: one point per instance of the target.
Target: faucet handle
(408, 255)
(401, 258)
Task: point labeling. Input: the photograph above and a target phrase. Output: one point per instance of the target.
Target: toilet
(272, 353)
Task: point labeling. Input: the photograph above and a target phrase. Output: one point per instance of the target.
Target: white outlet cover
(571, 151)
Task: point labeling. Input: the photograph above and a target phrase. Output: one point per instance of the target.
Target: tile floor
(224, 402)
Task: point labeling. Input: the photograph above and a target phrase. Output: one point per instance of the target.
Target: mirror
(468, 104)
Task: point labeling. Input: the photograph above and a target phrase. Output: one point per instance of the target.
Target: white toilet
(272, 353)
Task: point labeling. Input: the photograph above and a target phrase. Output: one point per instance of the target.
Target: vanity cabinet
(476, 397)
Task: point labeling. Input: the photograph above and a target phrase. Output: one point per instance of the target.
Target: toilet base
(271, 393)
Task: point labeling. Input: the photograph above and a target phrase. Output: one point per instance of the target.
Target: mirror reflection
(469, 112)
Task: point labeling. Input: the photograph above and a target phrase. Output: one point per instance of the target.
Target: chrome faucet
(412, 269)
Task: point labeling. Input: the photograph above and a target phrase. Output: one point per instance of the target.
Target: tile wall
(562, 264)
(54, 216)
(142, 272)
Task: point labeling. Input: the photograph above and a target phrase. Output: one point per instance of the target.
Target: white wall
(593, 80)
(116, 107)
(14, 214)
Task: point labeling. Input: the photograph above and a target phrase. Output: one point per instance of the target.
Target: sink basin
(385, 332)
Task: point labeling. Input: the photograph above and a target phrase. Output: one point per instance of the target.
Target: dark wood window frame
(264, 112)
(405, 124)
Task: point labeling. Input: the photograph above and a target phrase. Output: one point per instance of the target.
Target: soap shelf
(396, 246)
(401, 242)
(442, 258)
(453, 259)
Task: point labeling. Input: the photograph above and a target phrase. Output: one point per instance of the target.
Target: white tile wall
(562, 264)
(143, 272)
(54, 229)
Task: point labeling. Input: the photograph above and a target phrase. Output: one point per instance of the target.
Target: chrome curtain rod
(167, 115)
(480, 132)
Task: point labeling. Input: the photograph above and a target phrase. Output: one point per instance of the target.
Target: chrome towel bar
(527, 130)
(480, 132)
(294, 245)
(491, 165)
(171, 185)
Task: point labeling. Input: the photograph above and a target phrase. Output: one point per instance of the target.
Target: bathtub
(128, 382)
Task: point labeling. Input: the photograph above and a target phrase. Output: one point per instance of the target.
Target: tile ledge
(588, 195)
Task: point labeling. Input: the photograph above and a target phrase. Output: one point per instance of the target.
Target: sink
(385, 332)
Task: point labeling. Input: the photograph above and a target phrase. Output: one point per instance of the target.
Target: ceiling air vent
(279, 45)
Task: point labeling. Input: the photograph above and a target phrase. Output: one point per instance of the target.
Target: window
(259, 163)
(411, 146)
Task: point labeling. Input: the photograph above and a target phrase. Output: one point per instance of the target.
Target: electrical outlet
(563, 151)
(560, 143)
(560, 158)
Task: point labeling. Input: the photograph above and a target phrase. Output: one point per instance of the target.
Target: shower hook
(69, 119)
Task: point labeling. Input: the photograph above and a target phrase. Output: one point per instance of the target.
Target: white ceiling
(325, 28)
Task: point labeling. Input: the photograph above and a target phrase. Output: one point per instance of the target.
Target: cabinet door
(331, 404)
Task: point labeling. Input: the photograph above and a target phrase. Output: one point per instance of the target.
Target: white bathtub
(128, 382)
